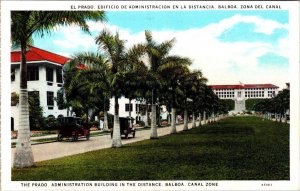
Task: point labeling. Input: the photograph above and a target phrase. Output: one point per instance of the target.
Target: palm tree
(203, 101)
(279, 104)
(93, 76)
(156, 53)
(159, 60)
(23, 25)
(114, 50)
(199, 101)
(192, 84)
(173, 74)
(122, 62)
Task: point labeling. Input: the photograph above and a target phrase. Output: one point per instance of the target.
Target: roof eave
(38, 61)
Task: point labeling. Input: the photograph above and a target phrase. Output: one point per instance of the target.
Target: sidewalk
(33, 139)
(46, 137)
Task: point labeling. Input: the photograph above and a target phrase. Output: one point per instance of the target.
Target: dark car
(72, 127)
(125, 127)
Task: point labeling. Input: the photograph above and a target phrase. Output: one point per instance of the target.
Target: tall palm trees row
(145, 71)
(278, 105)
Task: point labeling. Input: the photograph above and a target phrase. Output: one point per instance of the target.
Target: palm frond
(148, 36)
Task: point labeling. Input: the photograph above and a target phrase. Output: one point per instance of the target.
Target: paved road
(54, 150)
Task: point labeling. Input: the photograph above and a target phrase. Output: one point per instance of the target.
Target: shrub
(95, 124)
(36, 119)
(141, 123)
(51, 123)
(14, 99)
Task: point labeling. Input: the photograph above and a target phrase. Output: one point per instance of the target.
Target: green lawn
(239, 148)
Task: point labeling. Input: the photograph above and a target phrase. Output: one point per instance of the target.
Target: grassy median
(237, 148)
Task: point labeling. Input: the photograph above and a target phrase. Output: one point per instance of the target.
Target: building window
(137, 107)
(239, 94)
(128, 107)
(49, 74)
(32, 73)
(59, 75)
(271, 93)
(13, 74)
(50, 98)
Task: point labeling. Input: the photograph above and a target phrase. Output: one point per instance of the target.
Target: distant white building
(241, 92)
(125, 108)
(137, 108)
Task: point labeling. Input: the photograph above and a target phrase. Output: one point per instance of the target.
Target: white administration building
(241, 92)
(44, 75)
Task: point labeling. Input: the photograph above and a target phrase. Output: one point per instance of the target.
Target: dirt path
(54, 150)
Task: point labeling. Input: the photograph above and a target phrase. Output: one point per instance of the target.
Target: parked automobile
(125, 127)
(72, 127)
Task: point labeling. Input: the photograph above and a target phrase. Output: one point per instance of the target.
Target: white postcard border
(7, 184)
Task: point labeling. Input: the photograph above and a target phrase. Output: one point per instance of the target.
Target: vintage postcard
(150, 95)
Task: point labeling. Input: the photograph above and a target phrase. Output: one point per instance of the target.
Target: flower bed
(14, 134)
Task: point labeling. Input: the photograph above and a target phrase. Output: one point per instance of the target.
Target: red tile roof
(37, 54)
(243, 86)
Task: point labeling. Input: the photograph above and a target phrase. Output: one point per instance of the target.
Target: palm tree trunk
(116, 142)
(199, 119)
(130, 121)
(204, 117)
(173, 124)
(280, 117)
(23, 154)
(185, 120)
(147, 116)
(158, 112)
(153, 122)
(194, 121)
(105, 124)
(285, 118)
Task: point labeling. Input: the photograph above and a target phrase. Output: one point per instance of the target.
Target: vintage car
(125, 127)
(72, 128)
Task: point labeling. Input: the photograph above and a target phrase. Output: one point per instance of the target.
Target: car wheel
(126, 135)
(59, 137)
(133, 134)
(111, 135)
(87, 136)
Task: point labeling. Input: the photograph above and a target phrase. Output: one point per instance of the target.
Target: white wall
(122, 112)
(42, 87)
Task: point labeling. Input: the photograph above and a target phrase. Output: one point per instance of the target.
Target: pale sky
(228, 46)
